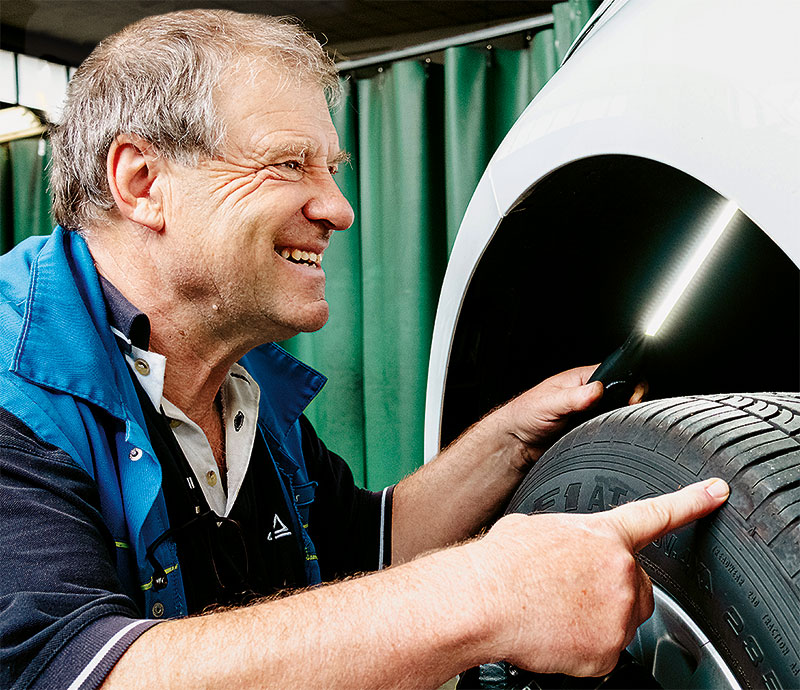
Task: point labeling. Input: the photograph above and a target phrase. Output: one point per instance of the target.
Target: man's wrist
(506, 436)
(478, 611)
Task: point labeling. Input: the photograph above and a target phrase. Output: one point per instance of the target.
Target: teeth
(300, 255)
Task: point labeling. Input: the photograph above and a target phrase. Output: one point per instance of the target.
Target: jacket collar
(66, 344)
(287, 387)
(127, 319)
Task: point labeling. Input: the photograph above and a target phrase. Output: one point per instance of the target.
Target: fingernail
(717, 488)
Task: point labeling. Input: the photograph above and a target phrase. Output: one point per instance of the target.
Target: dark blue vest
(63, 375)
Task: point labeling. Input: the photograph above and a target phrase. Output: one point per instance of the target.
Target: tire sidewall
(718, 569)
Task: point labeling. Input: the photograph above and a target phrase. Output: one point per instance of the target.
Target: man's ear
(132, 167)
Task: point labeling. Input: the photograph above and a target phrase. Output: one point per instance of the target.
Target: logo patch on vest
(278, 529)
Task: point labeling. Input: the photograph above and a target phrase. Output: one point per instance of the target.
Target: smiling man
(155, 463)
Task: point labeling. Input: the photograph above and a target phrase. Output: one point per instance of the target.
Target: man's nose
(329, 205)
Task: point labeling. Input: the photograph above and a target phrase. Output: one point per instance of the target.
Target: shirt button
(135, 454)
(157, 610)
(211, 478)
(141, 367)
(174, 423)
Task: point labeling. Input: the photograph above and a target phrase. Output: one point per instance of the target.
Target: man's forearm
(458, 492)
(404, 627)
(470, 482)
(551, 593)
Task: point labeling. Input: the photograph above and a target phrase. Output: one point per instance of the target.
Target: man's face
(249, 230)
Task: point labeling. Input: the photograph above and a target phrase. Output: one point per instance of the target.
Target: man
(155, 461)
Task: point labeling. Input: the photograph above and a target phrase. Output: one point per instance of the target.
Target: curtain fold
(403, 256)
(420, 135)
(24, 199)
(6, 200)
(503, 82)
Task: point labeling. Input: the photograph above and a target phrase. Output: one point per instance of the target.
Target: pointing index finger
(641, 522)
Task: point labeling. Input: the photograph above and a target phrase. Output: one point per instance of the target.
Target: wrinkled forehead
(265, 104)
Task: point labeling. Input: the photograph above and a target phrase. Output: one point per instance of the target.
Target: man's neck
(199, 351)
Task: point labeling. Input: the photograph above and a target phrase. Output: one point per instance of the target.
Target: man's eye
(292, 165)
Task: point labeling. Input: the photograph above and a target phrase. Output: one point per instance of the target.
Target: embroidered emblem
(278, 529)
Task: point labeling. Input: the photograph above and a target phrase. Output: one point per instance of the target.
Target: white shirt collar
(240, 397)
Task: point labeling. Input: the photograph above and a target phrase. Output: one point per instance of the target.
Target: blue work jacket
(64, 376)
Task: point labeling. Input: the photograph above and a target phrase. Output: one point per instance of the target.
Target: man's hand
(565, 591)
(536, 416)
(479, 472)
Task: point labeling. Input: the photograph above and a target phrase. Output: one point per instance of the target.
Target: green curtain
(421, 135)
(404, 255)
(24, 200)
(502, 82)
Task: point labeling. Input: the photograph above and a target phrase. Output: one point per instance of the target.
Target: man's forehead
(279, 117)
(273, 86)
(300, 122)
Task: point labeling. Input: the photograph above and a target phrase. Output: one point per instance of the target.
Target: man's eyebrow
(301, 149)
(294, 148)
(341, 157)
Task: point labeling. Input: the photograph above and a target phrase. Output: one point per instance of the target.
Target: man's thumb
(580, 398)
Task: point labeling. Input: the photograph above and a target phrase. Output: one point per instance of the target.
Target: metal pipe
(441, 44)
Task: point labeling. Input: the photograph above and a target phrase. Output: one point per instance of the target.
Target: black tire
(735, 573)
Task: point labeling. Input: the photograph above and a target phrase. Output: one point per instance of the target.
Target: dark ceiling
(66, 30)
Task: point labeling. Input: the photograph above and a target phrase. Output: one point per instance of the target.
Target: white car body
(709, 87)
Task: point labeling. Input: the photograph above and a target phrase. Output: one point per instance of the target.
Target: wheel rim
(671, 647)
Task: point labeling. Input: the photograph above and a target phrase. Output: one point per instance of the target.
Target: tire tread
(750, 440)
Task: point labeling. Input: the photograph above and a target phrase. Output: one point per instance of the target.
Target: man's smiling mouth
(300, 256)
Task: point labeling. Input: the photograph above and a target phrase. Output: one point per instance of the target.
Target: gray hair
(156, 79)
